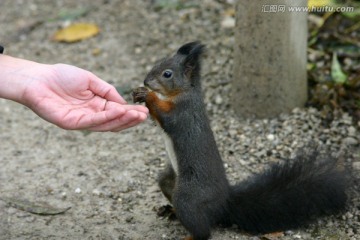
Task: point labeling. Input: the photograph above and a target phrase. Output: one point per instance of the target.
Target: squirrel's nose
(146, 82)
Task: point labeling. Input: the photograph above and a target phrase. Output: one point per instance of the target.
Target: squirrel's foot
(139, 94)
(167, 211)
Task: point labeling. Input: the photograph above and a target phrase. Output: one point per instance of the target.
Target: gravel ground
(109, 179)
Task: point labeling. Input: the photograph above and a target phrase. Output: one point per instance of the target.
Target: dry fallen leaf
(230, 12)
(76, 32)
(272, 236)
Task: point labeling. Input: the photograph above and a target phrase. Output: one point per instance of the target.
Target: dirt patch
(109, 179)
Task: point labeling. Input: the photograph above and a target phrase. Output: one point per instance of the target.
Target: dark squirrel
(286, 196)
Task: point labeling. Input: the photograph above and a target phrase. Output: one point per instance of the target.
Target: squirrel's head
(178, 73)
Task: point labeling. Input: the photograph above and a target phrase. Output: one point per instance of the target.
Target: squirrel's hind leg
(166, 182)
(193, 217)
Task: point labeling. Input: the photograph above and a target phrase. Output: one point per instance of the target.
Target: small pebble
(270, 137)
(218, 100)
(96, 192)
(138, 50)
(351, 131)
(129, 219)
(356, 166)
(228, 22)
(63, 195)
(350, 141)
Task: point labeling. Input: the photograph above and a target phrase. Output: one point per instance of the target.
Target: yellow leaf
(230, 12)
(76, 32)
(319, 3)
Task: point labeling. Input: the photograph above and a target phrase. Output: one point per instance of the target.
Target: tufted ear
(188, 47)
(191, 54)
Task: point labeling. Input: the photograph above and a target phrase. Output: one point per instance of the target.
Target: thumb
(104, 90)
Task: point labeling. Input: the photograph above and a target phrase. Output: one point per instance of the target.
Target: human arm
(70, 97)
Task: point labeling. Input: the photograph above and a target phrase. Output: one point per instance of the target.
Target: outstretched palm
(73, 98)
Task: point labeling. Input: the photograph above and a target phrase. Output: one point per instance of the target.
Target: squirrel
(286, 196)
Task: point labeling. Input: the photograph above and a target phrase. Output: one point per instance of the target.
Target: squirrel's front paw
(139, 94)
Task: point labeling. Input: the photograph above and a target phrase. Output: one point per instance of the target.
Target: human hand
(73, 98)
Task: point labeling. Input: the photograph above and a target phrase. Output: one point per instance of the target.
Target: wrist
(10, 84)
(15, 76)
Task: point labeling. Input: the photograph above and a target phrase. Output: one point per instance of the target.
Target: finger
(87, 121)
(139, 108)
(129, 119)
(104, 90)
(142, 118)
(113, 95)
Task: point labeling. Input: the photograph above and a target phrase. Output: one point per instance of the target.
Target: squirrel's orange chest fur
(157, 104)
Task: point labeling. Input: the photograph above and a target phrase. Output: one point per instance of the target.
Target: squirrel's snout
(150, 84)
(146, 82)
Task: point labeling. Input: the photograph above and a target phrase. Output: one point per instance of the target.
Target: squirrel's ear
(188, 47)
(191, 62)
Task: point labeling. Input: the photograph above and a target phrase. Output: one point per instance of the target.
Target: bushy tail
(289, 195)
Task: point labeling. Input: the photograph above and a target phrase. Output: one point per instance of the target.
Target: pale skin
(67, 96)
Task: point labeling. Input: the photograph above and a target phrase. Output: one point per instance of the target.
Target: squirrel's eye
(167, 74)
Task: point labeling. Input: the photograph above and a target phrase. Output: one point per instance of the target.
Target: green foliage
(337, 74)
(174, 4)
(334, 61)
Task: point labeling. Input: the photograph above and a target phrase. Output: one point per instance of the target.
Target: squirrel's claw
(167, 211)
